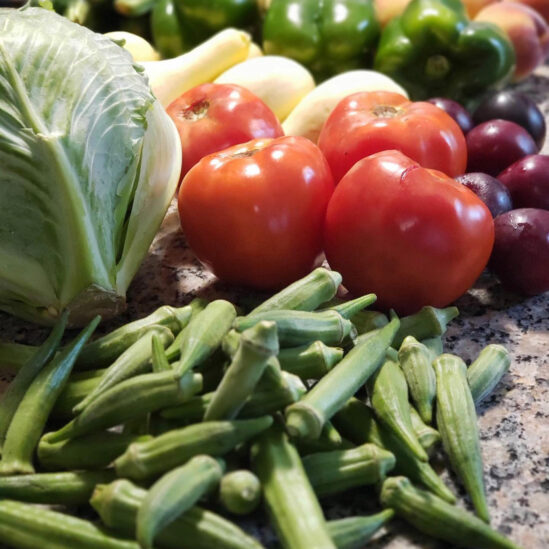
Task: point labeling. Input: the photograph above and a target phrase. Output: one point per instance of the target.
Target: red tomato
(364, 123)
(212, 117)
(412, 236)
(254, 213)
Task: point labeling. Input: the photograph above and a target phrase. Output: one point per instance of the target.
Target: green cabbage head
(89, 162)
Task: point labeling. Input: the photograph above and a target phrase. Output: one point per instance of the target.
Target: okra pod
(240, 492)
(159, 359)
(297, 328)
(88, 452)
(257, 345)
(73, 393)
(289, 496)
(356, 422)
(434, 344)
(104, 351)
(135, 360)
(355, 532)
(389, 397)
(310, 361)
(174, 494)
(435, 517)
(487, 370)
(215, 438)
(306, 294)
(339, 470)
(367, 321)
(16, 390)
(34, 409)
(306, 418)
(204, 334)
(13, 356)
(428, 322)
(427, 436)
(348, 309)
(415, 360)
(25, 526)
(138, 395)
(329, 439)
(72, 488)
(263, 401)
(118, 504)
(457, 424)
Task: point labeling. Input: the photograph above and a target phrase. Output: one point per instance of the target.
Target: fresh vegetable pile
(195, 415)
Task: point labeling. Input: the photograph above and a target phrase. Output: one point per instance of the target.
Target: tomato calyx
(385, 111)
(197, 110)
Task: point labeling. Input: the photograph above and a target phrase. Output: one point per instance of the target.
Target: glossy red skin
(528, 181)
(365, 123)
(213, 117)
(254, 213)
(412, 236)
(541, 6)
(520, 257)
(458, 113)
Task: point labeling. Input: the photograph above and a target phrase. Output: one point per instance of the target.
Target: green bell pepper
(166, 30)
(433, 49)
(326, 36)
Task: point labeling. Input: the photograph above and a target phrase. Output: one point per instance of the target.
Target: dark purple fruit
(494, 145)
(491, 191)
(456, 111)
(515, 107)
(520, 257)
(528, 181)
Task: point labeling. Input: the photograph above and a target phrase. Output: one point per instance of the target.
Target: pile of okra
(169, 429)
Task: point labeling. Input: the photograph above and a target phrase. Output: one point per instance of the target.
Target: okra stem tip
(303, 421)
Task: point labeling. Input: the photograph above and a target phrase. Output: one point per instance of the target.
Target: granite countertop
(514, 421)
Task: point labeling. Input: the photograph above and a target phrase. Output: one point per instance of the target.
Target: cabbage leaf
(89, 162)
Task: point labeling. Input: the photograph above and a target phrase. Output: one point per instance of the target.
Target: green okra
(159, 360)
(457, 424)
(104, 351)
(175, 493)
(135, 360)
(257, 345)
(13, 356)
(118, 504)
(293, 506)
(25, 526)
(427, 436)
(138, 395)
(204, 334)
(348, 309)
(415, 360)
(297, 328)
(74, 392)
(487, 370)
(329, 439)
(240, 492)
(94, 451)
(306, 418)
(306, 294)
(162, 453)
(34, 409)
(434, 344)
(426, 323)
(435, 517)
(389, 397)
(310, 361)
(339, 470)
(16, 390)
(355, 532)
(263, 401)
(356, 422)
(66, 488)
(367, 321)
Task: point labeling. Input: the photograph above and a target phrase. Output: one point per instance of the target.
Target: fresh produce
(456, 111)
(493, 146)
(355, 532)
(365, 123)
(213, 117)
(310, 114)
(263, 77)
(254, 212)
(86, 189)
(474, 6)
(139, 48)
(490, 190)
(240, 492)
(310, 361)
(166, 30)
(487, 370)
(379, 233)
(540, 6)
(428, 437)
(520, 258)
(527, 181)
(433, 49)
(328, 38)
(526, 29)
(515, 107)
(387, 10)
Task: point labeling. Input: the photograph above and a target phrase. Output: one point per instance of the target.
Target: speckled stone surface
(514, 421)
